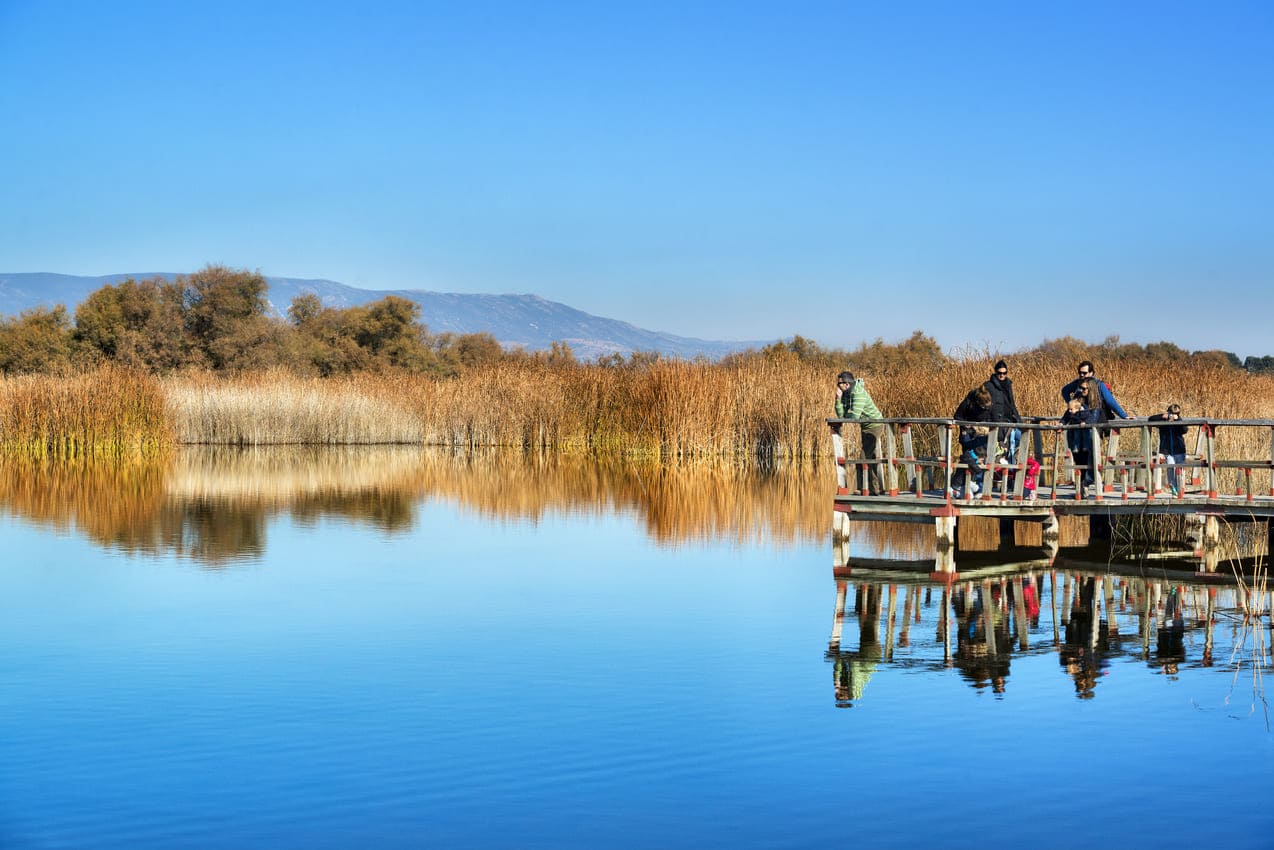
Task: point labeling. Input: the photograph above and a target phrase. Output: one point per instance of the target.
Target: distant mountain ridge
(526, 321)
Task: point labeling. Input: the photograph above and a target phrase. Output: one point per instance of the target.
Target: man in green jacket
(854, 402)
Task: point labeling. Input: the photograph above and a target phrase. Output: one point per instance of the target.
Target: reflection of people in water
(1031, 599)
(1170, 641)
(1087, 643)
(983, 639)
(852, 670)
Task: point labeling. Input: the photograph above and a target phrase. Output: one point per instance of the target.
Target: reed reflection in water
(982, 625)
(213, 505)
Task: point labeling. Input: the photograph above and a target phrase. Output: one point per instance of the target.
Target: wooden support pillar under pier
(946, 532)
(1052, 530)
(840, 522)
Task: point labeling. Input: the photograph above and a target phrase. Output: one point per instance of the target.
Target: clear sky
(991, 173)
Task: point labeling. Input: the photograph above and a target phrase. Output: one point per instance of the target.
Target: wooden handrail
(1140, 472)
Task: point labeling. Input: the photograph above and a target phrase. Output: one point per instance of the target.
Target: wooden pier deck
(1229, 477)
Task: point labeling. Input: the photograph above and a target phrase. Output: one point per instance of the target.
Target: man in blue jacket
(1109, 404)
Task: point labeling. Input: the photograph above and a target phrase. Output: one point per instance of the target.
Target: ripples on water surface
(389, 648)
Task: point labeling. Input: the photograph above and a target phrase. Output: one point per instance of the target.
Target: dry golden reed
(109, 412)
(735, 412)
(278, 408)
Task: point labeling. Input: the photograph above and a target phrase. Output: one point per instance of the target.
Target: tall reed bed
(278, 408)
(737, 411)
(110, 412)
(666, 409)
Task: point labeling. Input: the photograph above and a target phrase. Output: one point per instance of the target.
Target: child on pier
(1080, 440)
(1032, 477)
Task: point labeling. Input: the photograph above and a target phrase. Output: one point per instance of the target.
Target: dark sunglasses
(1003, 374)
(1085, 374)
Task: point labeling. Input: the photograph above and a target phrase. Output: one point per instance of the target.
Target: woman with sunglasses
(1103, 397)
(1004, 408)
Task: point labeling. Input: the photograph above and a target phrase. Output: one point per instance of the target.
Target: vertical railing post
(1097, 463)
(988, 477)
(1070, 465)
(1059, 439)
(1200, 449)
(891, 455)
(944, 444)
(838, 451)
(909, 459)
(1019, 464)
(1153, 472)
(1210, 448)
(1112, 469)
(1272, 467)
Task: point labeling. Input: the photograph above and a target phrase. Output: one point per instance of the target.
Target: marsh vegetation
(146, 365)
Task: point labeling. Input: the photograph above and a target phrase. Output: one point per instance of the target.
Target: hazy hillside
(515, 320)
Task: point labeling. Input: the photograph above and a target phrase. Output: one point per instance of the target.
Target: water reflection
(214, 505)
(1171, 624)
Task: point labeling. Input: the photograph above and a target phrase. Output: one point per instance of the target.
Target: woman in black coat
(1004, 407)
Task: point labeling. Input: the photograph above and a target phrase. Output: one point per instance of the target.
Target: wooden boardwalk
(1229, 477)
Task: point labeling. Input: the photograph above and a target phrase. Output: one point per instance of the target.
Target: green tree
(560, 354)
(37, 340)
(323, 338)
(390, 332)
(305, 309)
(225, 316)
(1166, 352)
(1259, 364)
(478, 349)
(1217, 358)
(135, 323)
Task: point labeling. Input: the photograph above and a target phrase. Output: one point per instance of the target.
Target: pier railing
(919, 457)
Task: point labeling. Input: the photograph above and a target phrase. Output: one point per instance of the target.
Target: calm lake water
(395, 648)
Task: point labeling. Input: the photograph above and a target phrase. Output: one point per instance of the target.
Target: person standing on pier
(1172, 444)
(1103, 400)
(1004, 408)
(974, 410)
(854, 402)
(1094, 394)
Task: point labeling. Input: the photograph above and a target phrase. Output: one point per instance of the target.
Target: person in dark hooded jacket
(973, 410)
(1172, 444)
(1004, 408)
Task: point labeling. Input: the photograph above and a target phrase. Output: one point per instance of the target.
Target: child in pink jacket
(1032, 477)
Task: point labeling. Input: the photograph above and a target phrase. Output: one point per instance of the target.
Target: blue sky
(992, 173)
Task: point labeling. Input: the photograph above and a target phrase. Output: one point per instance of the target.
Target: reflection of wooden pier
(1214, 485)
(1082, 611)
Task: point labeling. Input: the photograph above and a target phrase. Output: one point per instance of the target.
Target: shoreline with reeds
(666, 409)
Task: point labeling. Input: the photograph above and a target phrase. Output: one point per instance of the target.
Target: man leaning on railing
(854, 402)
